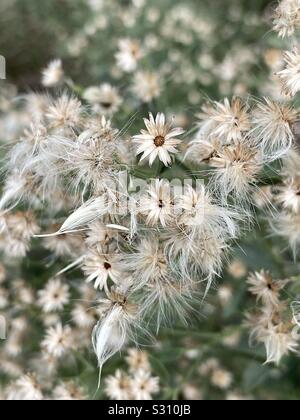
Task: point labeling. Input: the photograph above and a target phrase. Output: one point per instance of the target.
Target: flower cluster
(273, 324)
(138, 384)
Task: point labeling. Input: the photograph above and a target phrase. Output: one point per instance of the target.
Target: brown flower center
(107, 266)
(159, 141)
(105, 104)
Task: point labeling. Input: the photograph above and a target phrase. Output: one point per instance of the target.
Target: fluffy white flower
(58, 340)
(228, 121)
(290, 76)
(221, 378)
(273, 126)
(158, 205)
(53, 74)
(287, 17)
(138, 360)
(117, 386)
(25, 388)
(144, 386)
(279, 342)
(64, 112)
(54, 296)
(265, 288)
(68, 391)
(105, 98)
(128, 55)
(146, 86)
(111, 332)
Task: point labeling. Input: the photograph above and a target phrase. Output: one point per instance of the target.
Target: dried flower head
(129, 54)
(265, 288)
(53, 74)
(227, 121)
(287, 17)
(290, 76)
(64, 112)
(105, 98)
(237, 169)
(273, 126)
(146, 86)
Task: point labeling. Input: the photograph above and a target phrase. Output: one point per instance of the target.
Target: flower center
(159, 141)
(107, 266)
(105, 104)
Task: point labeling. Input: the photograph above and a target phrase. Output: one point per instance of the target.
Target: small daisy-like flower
(128, 55)
(83, 316)
(99, 267)
(158, 141)
(54, 296)
(192, 392)
(289, 195)
(237, 269)
(225, 295)
(25, 388)
(146, 86)
(117, 386)
(69, 391)
(10, 368)
(265, 288)
(138, 360)
(221, 378)
(58, 340)
(290, 76)
(24, 294)
(105, 98)
(287, 225)
(273, 126)
(17, 231)
(53, 74)
(158, 205)
(144, 386)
